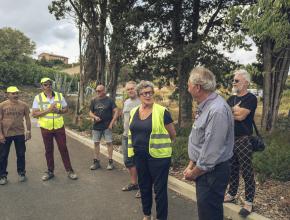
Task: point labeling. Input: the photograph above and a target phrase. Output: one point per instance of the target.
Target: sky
(61, 37)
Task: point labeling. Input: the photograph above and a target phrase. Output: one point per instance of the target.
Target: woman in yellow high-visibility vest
(151, 132)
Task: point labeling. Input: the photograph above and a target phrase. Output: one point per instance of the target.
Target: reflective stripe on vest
(160, 142)
(51, 120)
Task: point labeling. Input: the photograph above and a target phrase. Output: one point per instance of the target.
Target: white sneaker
(110, 166)
(3, 180)
(72, 175)
(21, 178)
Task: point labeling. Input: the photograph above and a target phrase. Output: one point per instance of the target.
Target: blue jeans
(153, 172)
(107, 133)
(210, 191)
(19, 141)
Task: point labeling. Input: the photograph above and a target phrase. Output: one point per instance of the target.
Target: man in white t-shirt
(48, 107)
(129, 104)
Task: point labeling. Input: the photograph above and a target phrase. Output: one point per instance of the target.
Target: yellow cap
(12, 89)
(45, 79)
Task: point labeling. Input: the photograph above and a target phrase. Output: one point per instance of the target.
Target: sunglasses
(147, 94)
(236, 81)
(98, 91)
(46, 84)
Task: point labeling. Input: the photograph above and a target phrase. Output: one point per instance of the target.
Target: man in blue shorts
(104, 112)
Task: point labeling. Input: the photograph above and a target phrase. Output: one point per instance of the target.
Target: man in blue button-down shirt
(210, 144)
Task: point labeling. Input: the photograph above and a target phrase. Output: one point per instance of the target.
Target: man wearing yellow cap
(48, 107)
(12, 112)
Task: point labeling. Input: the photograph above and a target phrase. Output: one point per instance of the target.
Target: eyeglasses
(98, 91)
(46, 84)
(236, 81)
(147, 94)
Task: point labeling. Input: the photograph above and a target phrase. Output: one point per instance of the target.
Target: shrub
(179, 152)
(118, 128)
(29, 73)
(183, 132)
(71, 102)
(117, 139)
(174, 96)
(274, 162)
(86, 125)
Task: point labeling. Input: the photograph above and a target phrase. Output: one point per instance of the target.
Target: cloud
(64, 32)
(33, 19)
(60, 37)
(242, 56)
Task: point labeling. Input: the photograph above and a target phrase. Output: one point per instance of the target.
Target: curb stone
(230, 210)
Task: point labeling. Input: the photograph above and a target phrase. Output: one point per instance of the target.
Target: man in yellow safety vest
(48, 107)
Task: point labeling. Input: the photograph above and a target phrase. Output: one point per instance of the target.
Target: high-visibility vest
(160, 142)
(50, 121)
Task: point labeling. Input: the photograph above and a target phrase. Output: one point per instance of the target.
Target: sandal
(130, 187)
(229, 199)
(138, 194)
(245, 212)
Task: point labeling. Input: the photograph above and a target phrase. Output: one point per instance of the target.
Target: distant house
(49, 57)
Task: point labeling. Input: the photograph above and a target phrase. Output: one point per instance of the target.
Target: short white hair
(244, 73)
(203, 77)
(131, 83)
(144, 84)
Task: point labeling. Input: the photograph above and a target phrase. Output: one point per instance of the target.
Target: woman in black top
(151, 171)
(244, 105)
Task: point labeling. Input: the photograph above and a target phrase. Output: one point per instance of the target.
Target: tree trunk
(114, 74)
(182, 64)
(101, 43)
(276, 67)
(185, 99)
(267, 66)
(91, 65)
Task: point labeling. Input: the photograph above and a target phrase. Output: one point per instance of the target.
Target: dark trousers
(242, 161)
(19, 142)
(153, 172)
(60, 138)
(210, 191)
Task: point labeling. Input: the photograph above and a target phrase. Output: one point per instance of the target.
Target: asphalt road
(96, 195)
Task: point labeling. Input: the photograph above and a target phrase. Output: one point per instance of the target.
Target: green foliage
(274, 162)
(179, 152)
(256, 73)
(261, 21)
(183, 132)
(63, 83)
(269, 19)
(118, 128)
(19, 73)
(174, 96)
(51, 63)
(16, 73)
(117, 139)
(14, 45)
(86, 124)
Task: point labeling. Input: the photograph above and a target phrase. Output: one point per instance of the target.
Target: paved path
(96, 195)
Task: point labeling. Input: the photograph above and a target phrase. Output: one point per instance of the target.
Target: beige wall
(49, 57)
